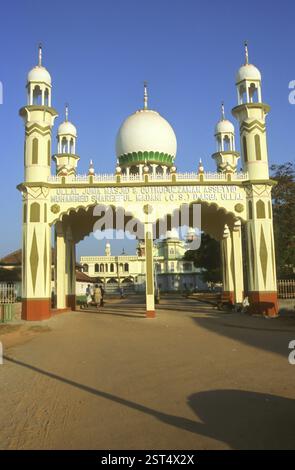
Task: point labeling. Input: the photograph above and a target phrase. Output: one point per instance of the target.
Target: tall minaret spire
(222, 111)
(40, 55)
(145, 96)
(67, 112)
(246, 53)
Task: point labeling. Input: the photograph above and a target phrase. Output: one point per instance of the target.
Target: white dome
(146, 131)
(172, 234)
(39, 74)
(224, 126)
(66, 128)
(248, 72)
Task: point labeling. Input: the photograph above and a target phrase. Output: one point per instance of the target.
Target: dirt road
(191, 378)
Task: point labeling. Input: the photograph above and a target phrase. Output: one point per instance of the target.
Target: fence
(286, 289)
(8, 296)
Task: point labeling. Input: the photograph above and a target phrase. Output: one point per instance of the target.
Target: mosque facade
(147, 192)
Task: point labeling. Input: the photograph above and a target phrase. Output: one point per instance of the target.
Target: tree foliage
(208, 257)
(283, 195)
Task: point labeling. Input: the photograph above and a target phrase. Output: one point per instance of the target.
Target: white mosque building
(172, 271)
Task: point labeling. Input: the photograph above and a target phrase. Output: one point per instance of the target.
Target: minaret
(66, 158)
(225, 156)
(251, 113)
(38, 116)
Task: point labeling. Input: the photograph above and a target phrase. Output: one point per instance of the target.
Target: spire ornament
(222, 112)
(66, 112)
(40, 55)
(246, 53)
(145, 96)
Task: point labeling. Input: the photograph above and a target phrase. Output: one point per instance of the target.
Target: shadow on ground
(241, 419)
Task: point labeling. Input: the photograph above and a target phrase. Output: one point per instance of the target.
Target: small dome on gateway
(66, 127)
(247, 71)
(146, 136)
(39, 73)
(224, 126)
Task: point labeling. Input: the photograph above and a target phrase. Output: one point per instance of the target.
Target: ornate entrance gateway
(146, 188)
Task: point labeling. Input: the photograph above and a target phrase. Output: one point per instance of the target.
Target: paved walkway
(191, 378)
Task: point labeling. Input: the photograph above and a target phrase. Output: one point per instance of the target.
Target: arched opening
(64, 145)
(35, 151)
(35, 212)
(37, 96)
(257, 147)
(85, 268)
(96, 267)
(126, 267)
(101, 268)
(253, 93)
(46, 97)
(112, 268)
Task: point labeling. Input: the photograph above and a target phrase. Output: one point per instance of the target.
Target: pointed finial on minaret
(145, 96)
(67, 112)
(246, 53)
(40, 55)
(222, 111)
(91, 170)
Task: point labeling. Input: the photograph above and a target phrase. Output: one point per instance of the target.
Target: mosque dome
(67, 128)
(248, 72)
(39, 74)
(224, 126)
(146, 135)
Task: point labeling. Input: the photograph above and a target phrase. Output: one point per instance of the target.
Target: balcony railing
(188, 176)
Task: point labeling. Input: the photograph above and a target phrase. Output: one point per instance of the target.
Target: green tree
(283, 196)
(208, 257)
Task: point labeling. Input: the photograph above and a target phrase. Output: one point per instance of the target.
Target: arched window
(85, 268)
(260, 209)
(107, 268)
(101, 268)
(72, 146)
(35, 151)
(96, 267)
(64, 145)
(46, 97)
(257, 147)
(226, 144)
(245, 150)
(126, 267)
(253, 94)
(250, 208)
(37, 96)
(112, 269)
(25, 213)
(35, 212)
(121, 266)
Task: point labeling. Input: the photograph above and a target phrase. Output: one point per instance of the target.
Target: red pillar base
(150, 314)
(71, 301)
(264, 303)
(36, 309)
(228, 296)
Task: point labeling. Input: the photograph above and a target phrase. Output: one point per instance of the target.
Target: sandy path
(191, 378)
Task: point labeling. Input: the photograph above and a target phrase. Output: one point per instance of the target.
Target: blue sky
(100, 52)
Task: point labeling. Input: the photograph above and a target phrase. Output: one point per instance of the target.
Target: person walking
(97, 295)
(88, 296)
